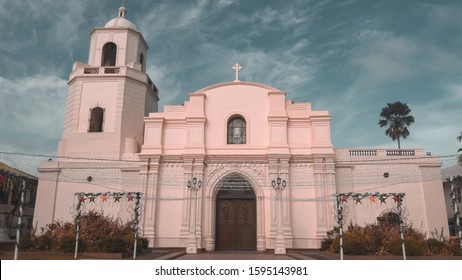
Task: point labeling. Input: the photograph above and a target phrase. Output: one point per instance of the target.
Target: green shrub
(26, 243)
(66, 243)
(144, 242)
(435, 246)
(454, 247)
(384, 239)
(114, 244)
(43, 242)
(98, 233)
(326, 244)
(413, 246)
(129, 239)
(353, 244)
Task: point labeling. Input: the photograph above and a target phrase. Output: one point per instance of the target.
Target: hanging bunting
(383, 199)
(358, 197)
(82, 197)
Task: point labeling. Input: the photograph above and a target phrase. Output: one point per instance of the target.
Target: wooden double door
(236, 220)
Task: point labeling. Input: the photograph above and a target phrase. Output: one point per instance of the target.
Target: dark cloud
(347, 57)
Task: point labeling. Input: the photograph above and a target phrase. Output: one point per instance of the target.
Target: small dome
(121, 21)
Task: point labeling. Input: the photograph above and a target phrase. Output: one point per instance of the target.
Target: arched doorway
(236, 219)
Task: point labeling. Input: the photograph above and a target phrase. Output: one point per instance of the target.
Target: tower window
(236, 130)
(142, 61)
(96, 120)
(109, 54)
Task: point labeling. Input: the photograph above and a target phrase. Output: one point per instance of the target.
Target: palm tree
(396, 117)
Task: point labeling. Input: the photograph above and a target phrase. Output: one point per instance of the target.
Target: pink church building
(237, 166)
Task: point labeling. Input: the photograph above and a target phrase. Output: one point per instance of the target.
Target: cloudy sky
(348, 57)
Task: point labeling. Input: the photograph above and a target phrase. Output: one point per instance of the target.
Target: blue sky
(348, 57)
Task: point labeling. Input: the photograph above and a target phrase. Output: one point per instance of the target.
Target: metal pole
(401, 224)
(137, 216)
(77, 221)
(455, 201)
(340, 223)
(18, 230)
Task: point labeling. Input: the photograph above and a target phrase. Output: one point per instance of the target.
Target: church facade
(237, 166)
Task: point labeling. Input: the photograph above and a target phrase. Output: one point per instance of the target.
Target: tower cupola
(121, 21)
(118, 43)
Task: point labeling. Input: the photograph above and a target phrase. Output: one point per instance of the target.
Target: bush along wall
(384, 239)
(98, 234)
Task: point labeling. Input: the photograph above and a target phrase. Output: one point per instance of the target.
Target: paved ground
(233, 256)
(225, 255)
(180, 254)
(269, 255)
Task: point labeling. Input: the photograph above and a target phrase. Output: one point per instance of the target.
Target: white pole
(77, 220)
(18, 230)
(401, 226)
(455, 201)
(137, 221)
(340, 223)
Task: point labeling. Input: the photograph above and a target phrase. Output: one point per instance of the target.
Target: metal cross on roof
(236, 69)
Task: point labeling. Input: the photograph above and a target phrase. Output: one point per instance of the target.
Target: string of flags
(106, 197)
(372, 197)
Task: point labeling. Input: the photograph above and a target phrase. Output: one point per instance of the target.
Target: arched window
(109, 54)
(96, 120)
(142, 61)
(236, 130)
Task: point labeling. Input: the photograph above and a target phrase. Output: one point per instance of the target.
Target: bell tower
(110, 95)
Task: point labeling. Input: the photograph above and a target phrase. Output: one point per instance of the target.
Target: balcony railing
(363, 153)
(79, 69)
(111, 70)
(374, 153)
(91, 70)
(100, 70)
(400, 153)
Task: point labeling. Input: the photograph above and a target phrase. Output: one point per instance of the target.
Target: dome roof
(121, 21)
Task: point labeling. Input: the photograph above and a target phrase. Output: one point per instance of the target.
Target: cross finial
(123, 2)
(236, 69)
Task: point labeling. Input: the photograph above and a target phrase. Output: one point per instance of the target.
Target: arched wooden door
(235, 215)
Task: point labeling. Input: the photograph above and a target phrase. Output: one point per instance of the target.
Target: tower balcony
(131, 71)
